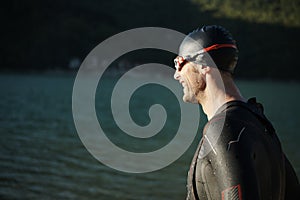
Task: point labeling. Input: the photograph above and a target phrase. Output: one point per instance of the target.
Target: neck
(217, 93)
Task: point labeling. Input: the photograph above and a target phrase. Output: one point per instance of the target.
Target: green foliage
(48, 34)
(284, 12)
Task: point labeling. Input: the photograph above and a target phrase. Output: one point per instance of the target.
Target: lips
(182, 83)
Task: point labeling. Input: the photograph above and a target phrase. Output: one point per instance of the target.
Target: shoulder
(227, 129)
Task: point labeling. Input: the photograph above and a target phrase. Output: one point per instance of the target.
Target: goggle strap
(218, 46)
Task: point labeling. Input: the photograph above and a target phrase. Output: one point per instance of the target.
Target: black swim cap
(212, 46)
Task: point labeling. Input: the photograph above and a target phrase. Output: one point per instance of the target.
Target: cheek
(200, 84)
(195, 80)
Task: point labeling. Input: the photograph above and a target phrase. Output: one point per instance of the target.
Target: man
(239, 155)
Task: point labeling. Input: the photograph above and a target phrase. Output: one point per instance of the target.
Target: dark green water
(42, 157)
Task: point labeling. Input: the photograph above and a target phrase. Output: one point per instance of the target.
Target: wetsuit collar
(228, 104)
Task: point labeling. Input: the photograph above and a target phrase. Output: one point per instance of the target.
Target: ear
(204, 69)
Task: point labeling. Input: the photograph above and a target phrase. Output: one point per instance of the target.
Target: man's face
(190, 79)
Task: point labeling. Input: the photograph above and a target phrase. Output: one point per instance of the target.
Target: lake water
(42, 157)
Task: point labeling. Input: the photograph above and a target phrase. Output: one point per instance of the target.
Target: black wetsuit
(240, 157)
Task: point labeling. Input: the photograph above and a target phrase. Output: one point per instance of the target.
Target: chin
(188, 99)
(185, 100)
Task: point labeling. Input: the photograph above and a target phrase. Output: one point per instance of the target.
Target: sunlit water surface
(42, 157)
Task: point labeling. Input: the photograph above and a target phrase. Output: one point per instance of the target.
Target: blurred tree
(50, 33)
